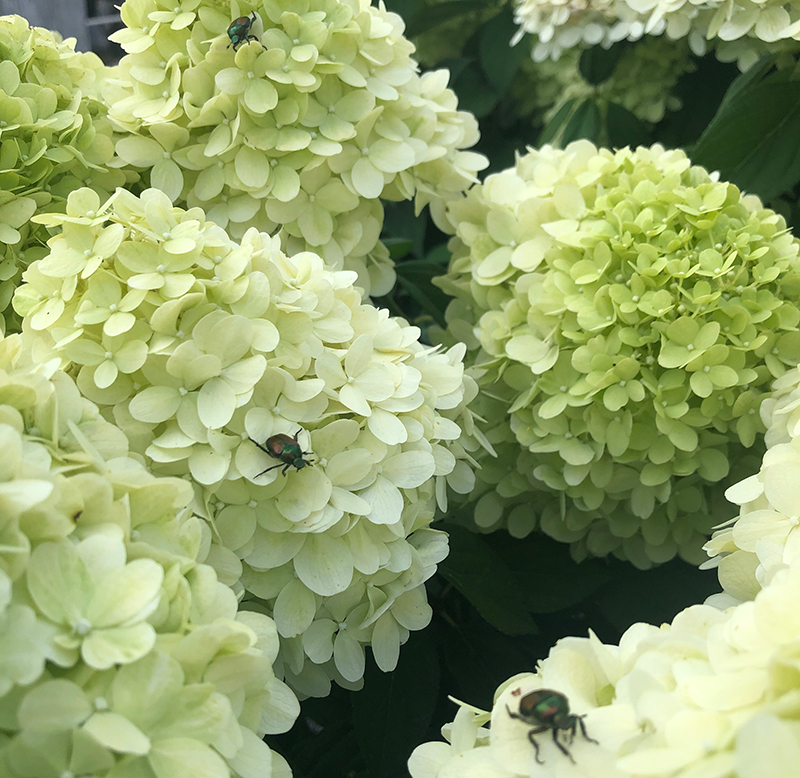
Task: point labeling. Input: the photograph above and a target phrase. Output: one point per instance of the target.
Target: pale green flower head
(632, 312)
(318, 433)
(302, 129)
(711, 693)
(741, 31)
(55, 137)
(103, 596)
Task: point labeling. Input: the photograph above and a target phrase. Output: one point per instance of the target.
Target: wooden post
(66, 16)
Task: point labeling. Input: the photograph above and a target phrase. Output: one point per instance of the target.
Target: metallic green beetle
(239, 30)
(546, 709)
(287, 450)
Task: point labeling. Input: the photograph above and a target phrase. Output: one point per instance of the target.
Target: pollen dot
(707, 369)
(109, 354)
(635, 298)
(794, 520)
(562, 388)
(746, 343)
(166, 235)
(690, 347)
(165, 93)
(250, 74)
(296, 41)
(311, 198)
(183, 391)
(664, 403)
(752, 411)
(100, 703)
(87, 253)
(166, 155)
(252, 504)
(331, 109)
(567, 435)
(90, 213)
(622, 383)
(82, 626)
(365, 150)
(342, 625)
(161, 269)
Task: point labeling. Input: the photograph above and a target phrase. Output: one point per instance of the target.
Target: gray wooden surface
(66, 16)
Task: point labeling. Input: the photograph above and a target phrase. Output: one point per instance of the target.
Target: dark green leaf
(399, 247)
(748, 78)
(432, 15)
(475, 94)
(392, 712)
(655, 596)
(624, 129)
(432, 300)
(554, 126)
(752, 140)
(547, 577)
(483, 577)
(500, 62)
(597, 64)
(584, 123)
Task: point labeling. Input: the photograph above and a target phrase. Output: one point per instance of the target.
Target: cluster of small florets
(763, 539)
(54, 136)
(201, 350)
(631, 312)
(712, 693)
(741, 30)
(642, 81)
(117, 643)
(303, 127)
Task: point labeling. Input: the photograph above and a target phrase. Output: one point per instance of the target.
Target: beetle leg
(583, 731)
(561, 747)
(531, 733)
(265, 450)
(274, 467)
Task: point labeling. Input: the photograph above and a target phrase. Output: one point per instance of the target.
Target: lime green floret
(632, 312)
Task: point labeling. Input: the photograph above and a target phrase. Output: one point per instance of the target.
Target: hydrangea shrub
(740, 31)
(626, 313)
(303, 130)
(200, 348)
(55, 137)
(121, 653)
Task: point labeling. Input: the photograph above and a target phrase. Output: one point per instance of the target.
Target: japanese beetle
(546, 709)
(287, 450)
(239, 30)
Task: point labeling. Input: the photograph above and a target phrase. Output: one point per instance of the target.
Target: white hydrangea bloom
(102, 596)
(740, 30)
(711, 694)
(302, 129)
(219, 351)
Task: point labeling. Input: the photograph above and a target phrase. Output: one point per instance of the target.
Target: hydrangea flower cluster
(762, 540)
(626, 314)
(711, 694)
(303, 129)
(201, 350)
(55, 137)
(642, 82)
(742, 30)
(121, 653)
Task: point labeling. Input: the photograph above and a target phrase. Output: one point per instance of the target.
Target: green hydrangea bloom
(624, 305)
(55, 137)
(304, 129)
(202, 350)
(121, 653)
(710, 694)
(642, 81)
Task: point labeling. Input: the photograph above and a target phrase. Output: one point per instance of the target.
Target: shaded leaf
(500, 62)
(597, 64)
(391, 714)
(624, 128)
(752, 140)
(483, 577)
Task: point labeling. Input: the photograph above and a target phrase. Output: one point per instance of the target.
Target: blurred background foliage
(500, 603)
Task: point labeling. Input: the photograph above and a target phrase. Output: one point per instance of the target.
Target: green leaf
(584, 123)
(431, 16)
(749, 78)
(752, 140)
(500, 62)
(553, 127)
(393, 711)
(483, 577)
(399, 247)
(475, 93)
(597, 64)
(547, 577)
(625, 129)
